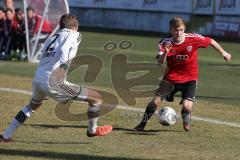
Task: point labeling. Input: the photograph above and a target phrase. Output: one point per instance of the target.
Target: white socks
(93, 112)
(92, 125)
(11, 128)
(26, 113)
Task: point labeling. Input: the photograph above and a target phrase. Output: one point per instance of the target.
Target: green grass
(219, 81)
(45, 136)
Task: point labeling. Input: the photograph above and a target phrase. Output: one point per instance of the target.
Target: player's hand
(227, 57)
(167, 47)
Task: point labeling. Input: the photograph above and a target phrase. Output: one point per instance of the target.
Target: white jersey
(59, 49)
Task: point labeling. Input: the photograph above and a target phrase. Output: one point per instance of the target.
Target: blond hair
(68, 21)
(176, 22)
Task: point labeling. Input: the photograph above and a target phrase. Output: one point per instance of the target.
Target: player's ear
(74, 28)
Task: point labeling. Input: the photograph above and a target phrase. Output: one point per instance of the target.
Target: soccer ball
(167, 116)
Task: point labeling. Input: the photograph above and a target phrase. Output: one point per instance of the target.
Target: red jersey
(182, 59)
(34, 25)
(46, 28)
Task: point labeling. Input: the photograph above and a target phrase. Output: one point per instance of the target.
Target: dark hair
(2, 9)
(9, 9)
(18, 10)
(30, 8)
(68, 21)
(176, 22)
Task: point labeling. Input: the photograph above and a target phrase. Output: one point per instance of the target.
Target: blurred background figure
(34, 26)
(8, 33)
(34, 21)
(2, 18)
(19, 35)
(9, 4)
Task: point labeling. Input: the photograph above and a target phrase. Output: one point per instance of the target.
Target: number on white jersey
(49, 51)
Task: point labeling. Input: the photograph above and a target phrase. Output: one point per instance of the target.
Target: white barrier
(203, 7)
(122, 19)
(180, 6)
(227, 7)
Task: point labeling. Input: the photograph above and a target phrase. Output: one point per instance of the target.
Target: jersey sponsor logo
(189, 48)
(182, 57)
(48, 54)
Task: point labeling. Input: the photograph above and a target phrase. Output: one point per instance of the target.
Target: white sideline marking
(16, 91)
(135, 109)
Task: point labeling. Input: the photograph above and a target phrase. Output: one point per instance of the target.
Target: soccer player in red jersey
(180, 53)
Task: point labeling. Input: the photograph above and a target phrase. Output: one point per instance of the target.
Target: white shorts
(60, 92)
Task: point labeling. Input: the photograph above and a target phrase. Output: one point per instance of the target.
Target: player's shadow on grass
(48, 142)
(55, 126)
(128, 130)
(214, 97)
(219, 98)
(237, 66)
(145, 132)
(55, 155)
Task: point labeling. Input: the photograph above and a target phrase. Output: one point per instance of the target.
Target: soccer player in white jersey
(50, 80)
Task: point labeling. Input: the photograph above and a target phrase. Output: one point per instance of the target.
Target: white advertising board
(180, 6)
(203, 7)
(227, 7)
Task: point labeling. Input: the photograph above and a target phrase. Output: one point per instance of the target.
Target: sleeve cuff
(160, 53)
(64, 66)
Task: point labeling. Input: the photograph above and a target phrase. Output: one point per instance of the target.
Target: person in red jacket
(180, 53)
(8, 32)
(19, 34)
(2, 19)
(34, 22)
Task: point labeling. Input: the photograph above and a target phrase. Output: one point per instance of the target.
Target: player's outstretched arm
(217, 46)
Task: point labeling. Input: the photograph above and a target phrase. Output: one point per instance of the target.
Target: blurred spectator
(34, 21)
(8, 32)
(2, 18)
(10, 4)
(19, 36)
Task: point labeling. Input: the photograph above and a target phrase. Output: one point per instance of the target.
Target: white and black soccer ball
(167, 116)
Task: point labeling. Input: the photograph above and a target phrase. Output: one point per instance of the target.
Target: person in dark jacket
(2, 19)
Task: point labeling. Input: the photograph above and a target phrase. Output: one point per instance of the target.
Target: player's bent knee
(94, 98)
(157, 100)
(187, 105)
(96, 102)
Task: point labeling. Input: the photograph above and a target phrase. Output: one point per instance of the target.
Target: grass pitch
(45, 136)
